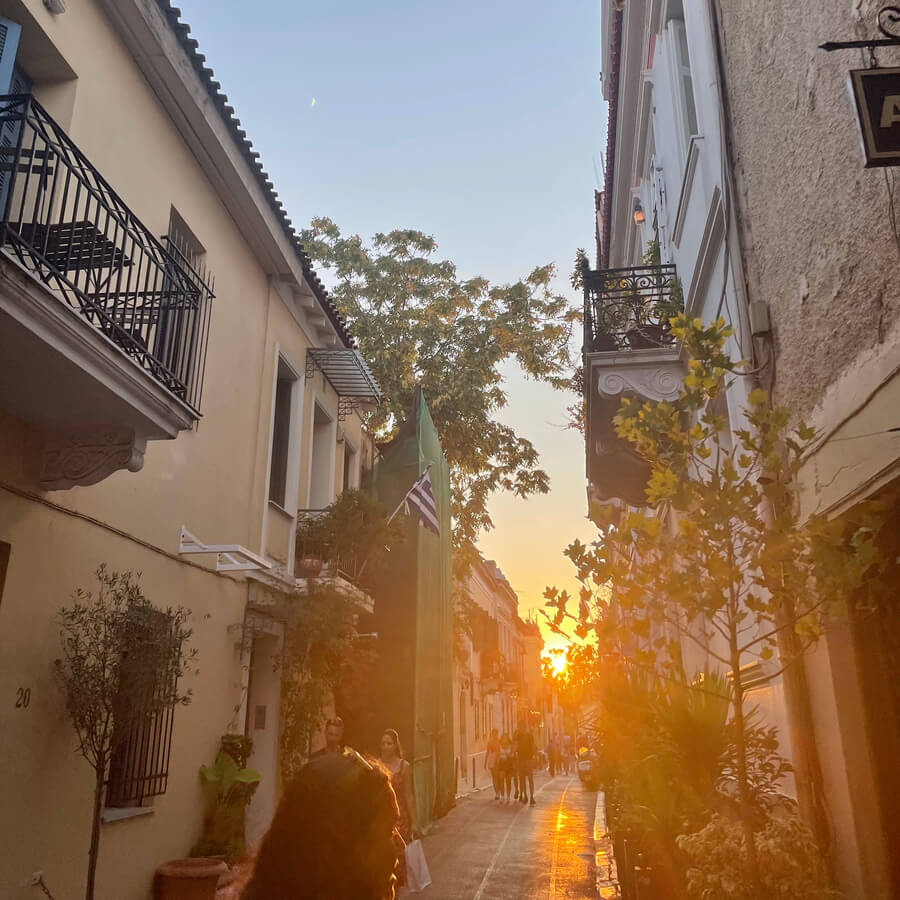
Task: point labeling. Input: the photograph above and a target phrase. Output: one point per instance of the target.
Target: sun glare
(558, 661)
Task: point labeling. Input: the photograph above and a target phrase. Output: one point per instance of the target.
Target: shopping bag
(417, 875)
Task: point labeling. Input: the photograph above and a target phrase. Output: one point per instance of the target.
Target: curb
(607, 874)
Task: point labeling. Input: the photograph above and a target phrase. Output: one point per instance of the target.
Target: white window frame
(354, 479)
(319, 401)
(682, 79)
(294, 431)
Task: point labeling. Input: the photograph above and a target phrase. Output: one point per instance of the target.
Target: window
(183, 242)
(185, 286)
(142, 733)
(321, 479)
(351, 475)
(281, 434)
(682, 81)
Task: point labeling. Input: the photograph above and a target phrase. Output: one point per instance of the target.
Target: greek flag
(421, 496)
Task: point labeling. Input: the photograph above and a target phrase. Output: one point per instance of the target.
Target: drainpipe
(806, 760)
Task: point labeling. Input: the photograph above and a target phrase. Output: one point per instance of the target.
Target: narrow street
(485, 850)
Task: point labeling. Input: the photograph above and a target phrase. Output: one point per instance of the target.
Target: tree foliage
(789, 861)
(419, 323)
(720, 559)
(122, 660)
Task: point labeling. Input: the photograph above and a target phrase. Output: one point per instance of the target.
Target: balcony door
(12, 81)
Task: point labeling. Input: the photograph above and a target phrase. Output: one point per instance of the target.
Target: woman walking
(492, 763)
(401, 780)
(507, 765)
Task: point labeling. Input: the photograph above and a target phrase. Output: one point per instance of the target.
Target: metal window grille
(142, 734)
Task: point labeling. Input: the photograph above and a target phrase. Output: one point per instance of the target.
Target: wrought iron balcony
(629, 309)
(69, 229)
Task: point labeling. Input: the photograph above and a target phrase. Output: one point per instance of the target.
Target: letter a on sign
(890, 110)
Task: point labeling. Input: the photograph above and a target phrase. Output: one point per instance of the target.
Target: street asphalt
(485, 850)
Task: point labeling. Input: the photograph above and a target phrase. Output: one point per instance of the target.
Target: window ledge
(279, 508)
(119, 814)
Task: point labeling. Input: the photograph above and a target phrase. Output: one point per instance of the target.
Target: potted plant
(311, 541)
(233, 787)
(188, 879)
(352, 534)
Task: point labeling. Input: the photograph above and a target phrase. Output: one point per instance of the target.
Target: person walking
(526, 751)
(492, 762)
(401, 781)
(332, 835)
(551, 757)
(507, 765)
(334, 738)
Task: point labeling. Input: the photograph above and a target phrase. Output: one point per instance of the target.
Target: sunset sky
(480, 123)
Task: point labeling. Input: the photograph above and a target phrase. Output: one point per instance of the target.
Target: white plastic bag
(417, 875)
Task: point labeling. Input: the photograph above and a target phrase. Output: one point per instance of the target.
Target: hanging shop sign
(877, 93)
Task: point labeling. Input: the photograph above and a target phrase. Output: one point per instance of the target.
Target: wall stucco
(817, 237)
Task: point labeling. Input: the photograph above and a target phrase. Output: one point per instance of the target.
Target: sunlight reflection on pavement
(485, 850)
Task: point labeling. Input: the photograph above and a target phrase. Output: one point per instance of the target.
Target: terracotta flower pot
(308, 567)
(188, 879)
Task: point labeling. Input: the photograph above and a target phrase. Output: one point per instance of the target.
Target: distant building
(497, 669)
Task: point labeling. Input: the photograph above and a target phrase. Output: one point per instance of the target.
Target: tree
(720, 557)
(121, 662)
(418, 323)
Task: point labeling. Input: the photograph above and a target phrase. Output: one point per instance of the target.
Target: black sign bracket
(888, 21)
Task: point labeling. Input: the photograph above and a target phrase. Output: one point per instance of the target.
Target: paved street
(484, 850)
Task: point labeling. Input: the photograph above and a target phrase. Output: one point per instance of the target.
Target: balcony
(103, 326)
(322, 560)
(628, 350)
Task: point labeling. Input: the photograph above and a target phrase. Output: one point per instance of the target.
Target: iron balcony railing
(629, 309)
(64, 223)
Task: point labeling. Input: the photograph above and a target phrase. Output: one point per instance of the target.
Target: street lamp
(638, 212)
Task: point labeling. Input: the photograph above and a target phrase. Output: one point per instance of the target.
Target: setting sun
(558, 662)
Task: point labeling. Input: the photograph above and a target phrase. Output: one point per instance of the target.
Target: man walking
(334, 738)
(526, 751)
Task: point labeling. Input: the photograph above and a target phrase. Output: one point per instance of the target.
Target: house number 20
(23, 698)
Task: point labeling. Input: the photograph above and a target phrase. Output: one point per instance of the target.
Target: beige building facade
(497, 671)
(161, 411)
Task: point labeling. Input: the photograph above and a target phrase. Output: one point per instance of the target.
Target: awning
(346, 371)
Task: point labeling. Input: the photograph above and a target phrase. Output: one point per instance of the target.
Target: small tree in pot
(235, 784)
(121, 662)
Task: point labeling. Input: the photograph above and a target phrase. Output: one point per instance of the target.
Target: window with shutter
(9, 45)
(12, 81)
